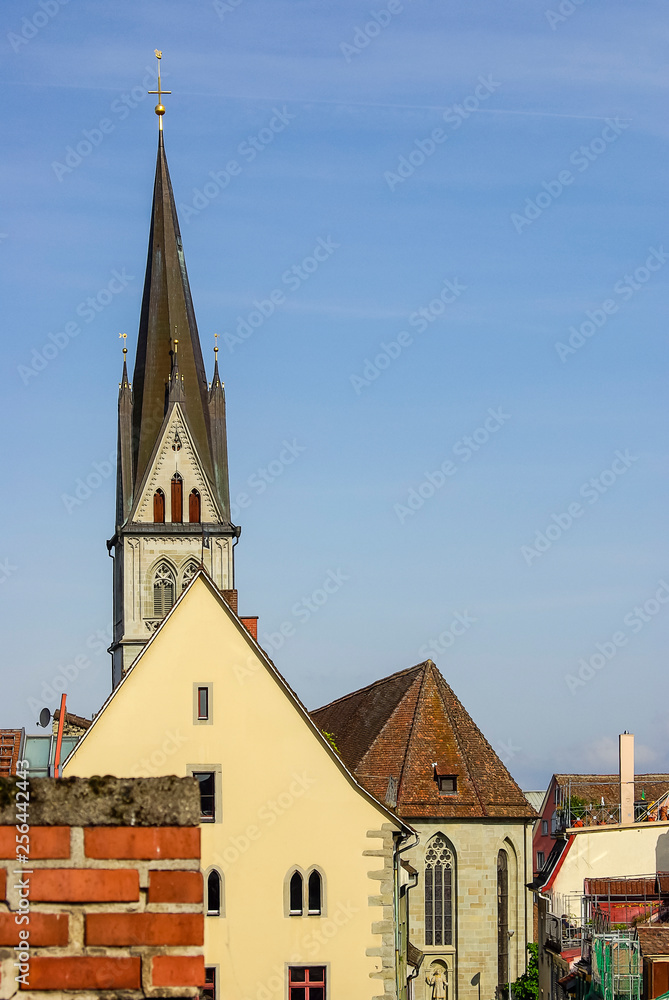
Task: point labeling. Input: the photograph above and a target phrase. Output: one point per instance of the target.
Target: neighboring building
(11, 747)
(603, 881)
(302, 864)
(590, 800)
(410, 742)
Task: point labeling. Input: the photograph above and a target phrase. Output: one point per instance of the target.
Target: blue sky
(536, 212)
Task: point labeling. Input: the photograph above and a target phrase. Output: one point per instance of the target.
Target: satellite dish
(44, 718)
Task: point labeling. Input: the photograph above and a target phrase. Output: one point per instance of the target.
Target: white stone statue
(436, 978)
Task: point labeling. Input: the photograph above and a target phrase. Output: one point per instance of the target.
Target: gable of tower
(176, 453)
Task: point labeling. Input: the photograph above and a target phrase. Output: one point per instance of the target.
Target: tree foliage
(526, 987)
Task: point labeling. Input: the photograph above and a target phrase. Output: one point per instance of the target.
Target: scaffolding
(616, 965)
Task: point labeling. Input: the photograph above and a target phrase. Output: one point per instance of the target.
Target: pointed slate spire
(219, 437)
(124, 489)
(167, 304)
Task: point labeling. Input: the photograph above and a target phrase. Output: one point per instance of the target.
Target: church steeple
(167, 305)
(173, 498)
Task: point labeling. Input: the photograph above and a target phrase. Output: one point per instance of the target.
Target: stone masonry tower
(172, 493)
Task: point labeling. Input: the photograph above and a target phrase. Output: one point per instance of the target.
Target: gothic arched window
(315, 892)
(439, 891)
(295, 893)
(214, 893)
(164, 590)
(194, 507)
(502, 918)
(159, 507)
(177, 499)
(188, 573)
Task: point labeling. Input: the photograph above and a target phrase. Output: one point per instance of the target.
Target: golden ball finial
(160, 109)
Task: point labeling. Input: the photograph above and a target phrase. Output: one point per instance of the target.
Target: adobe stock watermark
(7, 569)
(96, 644)
(88, 311)
(634, 621)
(460, 624)
(419, 320)
(581, 158)
(31, 25)
(223, 7)
(248, 150)
(365, 34)
(92, 138)
(592, 491)
(84, 488)
(153, 765)
(258, 482)
(302, 611)
(292, 278)
(268, 814)
(564, 11)
(454, 115)
(463, 450)
(624, 289)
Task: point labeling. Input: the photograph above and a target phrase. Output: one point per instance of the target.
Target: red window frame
(306, 982)
(202, 703)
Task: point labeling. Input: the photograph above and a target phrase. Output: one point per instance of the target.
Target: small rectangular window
(448, 784)
(544, 827)
(209, 991)
(540, 860)
(203, 703)
(207, 795)
(306, 982)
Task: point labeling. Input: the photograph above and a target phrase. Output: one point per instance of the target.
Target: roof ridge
(465, 757)
(405, 756)
(369, 687)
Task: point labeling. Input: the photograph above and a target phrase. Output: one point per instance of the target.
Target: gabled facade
(302, 866)
(173, 498)
(410, 741)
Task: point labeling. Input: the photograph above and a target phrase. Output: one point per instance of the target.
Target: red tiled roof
(10, 748)
(653, 940)
(399, 727)
(621, 886)
(592, 787)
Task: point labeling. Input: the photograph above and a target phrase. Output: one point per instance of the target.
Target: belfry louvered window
(164, 588)
(159, 507)
(439, 892)
(194, 507)
(177, 499)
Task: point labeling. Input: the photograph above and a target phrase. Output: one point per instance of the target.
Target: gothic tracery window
(502, 918)
(164, 590)
(439, 892)
(188, 573)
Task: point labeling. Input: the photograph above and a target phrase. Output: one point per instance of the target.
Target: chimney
(626, 756)
(251, 624)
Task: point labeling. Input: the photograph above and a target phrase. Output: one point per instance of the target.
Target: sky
(432, 240)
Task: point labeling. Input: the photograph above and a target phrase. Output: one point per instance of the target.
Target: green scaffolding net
(617, 966)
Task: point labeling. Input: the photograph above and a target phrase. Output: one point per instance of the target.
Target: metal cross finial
(215, 343)
(124, 335)
(160, 108)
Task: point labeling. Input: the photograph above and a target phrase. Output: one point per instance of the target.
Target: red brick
(175, 887)
(3, 884)
(178, 970)
(84, 885)
(45, 929)
(80, 973)
(120, 929)
(45, 842)
(145, 843)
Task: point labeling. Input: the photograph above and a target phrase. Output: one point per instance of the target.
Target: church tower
(172, 493)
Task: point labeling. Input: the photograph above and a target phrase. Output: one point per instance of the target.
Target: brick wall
(110, 897)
